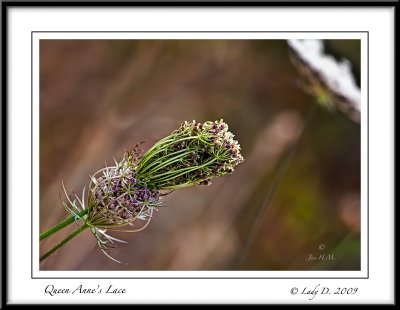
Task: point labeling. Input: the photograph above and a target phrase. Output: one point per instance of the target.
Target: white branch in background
(336, 76)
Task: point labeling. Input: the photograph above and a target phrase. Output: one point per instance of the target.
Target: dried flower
(116, 199)
(329, 81)
(193, 154)
(120, 195)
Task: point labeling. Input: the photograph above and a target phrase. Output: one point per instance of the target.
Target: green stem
(176, 173)
(183, 185)
(64, 242)
(57, 227)
(152, 151)
(277, 180)
(162, 162)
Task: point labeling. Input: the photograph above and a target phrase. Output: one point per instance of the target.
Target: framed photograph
(201, 155)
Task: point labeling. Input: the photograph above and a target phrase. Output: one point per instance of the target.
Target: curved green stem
(64, 242)
(57, 227)
(176, 173)
(152, 151)
(277, 179)
(163, 162)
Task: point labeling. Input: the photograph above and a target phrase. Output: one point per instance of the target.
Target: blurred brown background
(99, 97)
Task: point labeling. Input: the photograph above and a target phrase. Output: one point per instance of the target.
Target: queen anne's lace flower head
(123, 197)
(191, 155)
(117, 197)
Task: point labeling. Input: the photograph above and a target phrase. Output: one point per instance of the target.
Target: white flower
(335, 76)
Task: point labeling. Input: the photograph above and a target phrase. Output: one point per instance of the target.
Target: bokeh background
(100, 97)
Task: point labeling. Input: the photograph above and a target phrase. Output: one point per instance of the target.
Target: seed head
(191, 155)
(117, 197)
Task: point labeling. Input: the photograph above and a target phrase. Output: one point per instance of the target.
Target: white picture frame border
(376, 286)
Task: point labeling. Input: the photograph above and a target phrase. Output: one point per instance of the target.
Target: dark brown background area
(99, 97)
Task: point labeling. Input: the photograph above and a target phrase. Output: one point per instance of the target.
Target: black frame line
(208, 3)
(199, 278)
(183, 31)
(4, 157)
